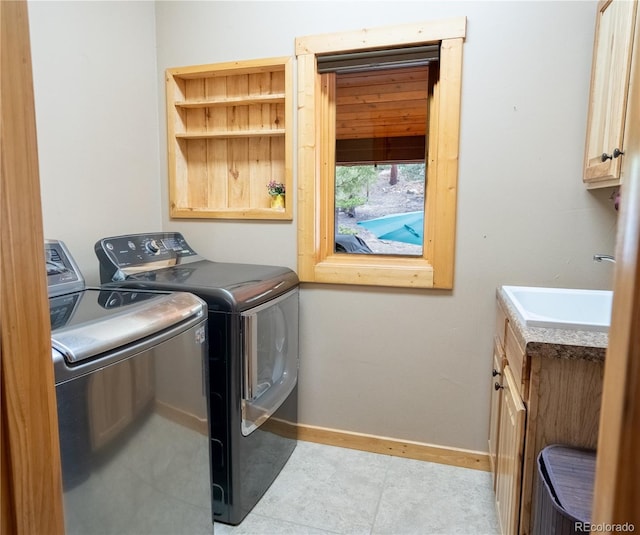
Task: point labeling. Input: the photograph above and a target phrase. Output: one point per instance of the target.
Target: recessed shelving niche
(229, 133)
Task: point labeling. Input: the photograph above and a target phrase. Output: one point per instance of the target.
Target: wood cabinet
(508, 479)
(496, 398)
(612, 64)
(229, 133)
(546, 396)
(506, 427)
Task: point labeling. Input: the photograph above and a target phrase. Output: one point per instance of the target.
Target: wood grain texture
(308, 147)
(496, 405)
(327, 154)
(382, 104)
(229, 133)
(444, 217)
(316, 165)
(371, 38)
(617, 485)
(232, 68)
(515, 355)
(398, 448)
(31, 473)
(196, 157)
(509, 454)
(609, 91)
(563, 408)
(562, 400)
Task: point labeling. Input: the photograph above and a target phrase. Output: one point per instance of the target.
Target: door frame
(617, 484)
(31, 488)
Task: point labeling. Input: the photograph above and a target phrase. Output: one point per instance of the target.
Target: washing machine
(131, 375)
(253, 355)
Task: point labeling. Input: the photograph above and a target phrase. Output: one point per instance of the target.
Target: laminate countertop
(554, 343)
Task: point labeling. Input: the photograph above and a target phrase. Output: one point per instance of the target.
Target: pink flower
(275, 188)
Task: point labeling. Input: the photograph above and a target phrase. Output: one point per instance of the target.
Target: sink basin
(562, 308)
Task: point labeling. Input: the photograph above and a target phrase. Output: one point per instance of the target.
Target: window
(322, 158)
(380, 137)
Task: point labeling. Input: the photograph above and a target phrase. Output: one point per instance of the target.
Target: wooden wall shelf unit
(229, 132)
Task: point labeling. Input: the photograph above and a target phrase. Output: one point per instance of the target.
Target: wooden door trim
(617, 485)
(31, 476)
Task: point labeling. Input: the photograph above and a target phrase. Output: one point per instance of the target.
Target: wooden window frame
(317, 261)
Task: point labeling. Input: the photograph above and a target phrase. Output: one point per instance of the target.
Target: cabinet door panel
(494, 420)
(609, 89)
(515, 355)
(510, 450)
(501, 325)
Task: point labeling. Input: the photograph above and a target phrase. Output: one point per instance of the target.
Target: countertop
(555, 343)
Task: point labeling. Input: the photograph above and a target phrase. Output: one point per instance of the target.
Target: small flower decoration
(275, 188)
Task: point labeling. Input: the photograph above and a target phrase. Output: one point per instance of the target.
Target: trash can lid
(570, 473)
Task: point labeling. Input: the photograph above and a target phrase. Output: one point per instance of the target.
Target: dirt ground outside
(384, 199)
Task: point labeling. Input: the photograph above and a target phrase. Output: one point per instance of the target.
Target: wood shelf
(233, 101)
(229, 133)
(234, 213)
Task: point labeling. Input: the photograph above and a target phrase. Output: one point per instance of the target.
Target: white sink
(562, 308)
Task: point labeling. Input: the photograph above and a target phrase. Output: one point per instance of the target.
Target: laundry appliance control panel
(122, 255)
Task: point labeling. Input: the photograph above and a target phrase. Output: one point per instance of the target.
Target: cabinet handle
(616, 152)
(495, 372)
(497, 385)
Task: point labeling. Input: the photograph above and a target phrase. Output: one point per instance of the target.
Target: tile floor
(329, 490)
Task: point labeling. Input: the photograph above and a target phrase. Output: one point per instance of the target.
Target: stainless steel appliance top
(89, 322)
(165, 261)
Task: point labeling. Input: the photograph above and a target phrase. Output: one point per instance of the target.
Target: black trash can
(564, 491)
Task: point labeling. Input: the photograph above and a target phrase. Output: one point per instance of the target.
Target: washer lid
(224, 286)
(92, 322)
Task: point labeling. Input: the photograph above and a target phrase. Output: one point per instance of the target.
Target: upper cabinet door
(612, 59)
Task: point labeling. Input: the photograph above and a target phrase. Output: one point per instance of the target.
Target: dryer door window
(270, 360)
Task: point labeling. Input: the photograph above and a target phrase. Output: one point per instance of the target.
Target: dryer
(253, 355)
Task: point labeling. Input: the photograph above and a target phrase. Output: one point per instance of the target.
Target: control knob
(152, 247)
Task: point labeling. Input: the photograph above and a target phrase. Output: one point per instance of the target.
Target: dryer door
(270, 360)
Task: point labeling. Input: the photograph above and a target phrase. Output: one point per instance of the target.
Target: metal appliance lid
(165, 261)
(92, 322)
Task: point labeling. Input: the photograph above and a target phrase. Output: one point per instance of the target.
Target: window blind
(379, 59)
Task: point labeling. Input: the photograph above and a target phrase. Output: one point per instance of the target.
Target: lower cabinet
(496, 395)
(541, 394)
(508, 475)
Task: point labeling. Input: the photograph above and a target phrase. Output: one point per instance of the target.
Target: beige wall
(411, 365)
(415, 365)
(97, 118)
